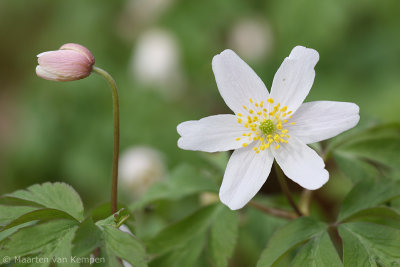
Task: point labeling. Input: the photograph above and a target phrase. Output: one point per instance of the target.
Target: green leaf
(184, 181)
(288, 237)
(113, 243)
(88, 237)
(58, 196)
(183, 231)
(383, 150)
(114, 219)
(365, 154)
(8, 214)
(318, 252)
(185, 255)
(123, 245)
(368, 244)
(103, 211)
(224, 232)
(47, 240)
(367, 195)
(359, 133)
(379, 215)
(354, 168)
(40, 214)
(6, 233)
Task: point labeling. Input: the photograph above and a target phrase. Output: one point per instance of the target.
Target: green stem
(274, 212)
(114, 91)
(305, 201)
(285, 189)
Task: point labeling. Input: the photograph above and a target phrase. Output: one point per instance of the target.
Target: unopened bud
(71, 62)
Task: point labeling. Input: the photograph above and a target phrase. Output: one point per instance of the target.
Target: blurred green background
(160, 52)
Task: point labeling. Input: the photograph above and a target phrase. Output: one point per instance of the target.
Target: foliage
(47, 222)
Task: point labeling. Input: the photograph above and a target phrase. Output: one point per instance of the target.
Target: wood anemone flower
(71, 62)
(268, 126)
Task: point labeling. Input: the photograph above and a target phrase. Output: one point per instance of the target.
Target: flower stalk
(114, 91)
(274, 212)
(285, 189)
(305, 202)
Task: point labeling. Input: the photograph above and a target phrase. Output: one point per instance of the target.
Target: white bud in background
(156, 62)
(251, 38)
(139, 169)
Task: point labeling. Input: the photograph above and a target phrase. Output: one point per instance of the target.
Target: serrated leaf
(58, 196)
(183, 181)
(183, 231)
(288, 237)
(124, 246)
(103, 211)
(367, 244)
(223, 236)
(318, 252)
(367, 195)
(47, 240)
(8, 214)
(112, 220)
(185, 255)
(113, 243)
(6, 233)
(39, 214)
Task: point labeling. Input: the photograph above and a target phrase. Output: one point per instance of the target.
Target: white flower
(252, 38)
(268, 125)
(139, 168)
(155, 62)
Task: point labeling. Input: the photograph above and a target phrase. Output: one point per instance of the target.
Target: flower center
(267, 127)
(266, 123)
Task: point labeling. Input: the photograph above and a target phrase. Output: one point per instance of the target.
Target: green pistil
(267, 127)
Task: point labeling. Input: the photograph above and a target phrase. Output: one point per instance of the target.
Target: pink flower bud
(71, 62)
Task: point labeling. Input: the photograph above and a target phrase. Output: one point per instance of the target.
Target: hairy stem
(275, 212)
(114, 91)
(285, 189)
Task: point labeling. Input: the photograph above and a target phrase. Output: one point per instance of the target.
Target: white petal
(236, 81)
(244, 176)
(42, 73)
(301, 164)
(211, 134)
(320, 120)
(295, 77)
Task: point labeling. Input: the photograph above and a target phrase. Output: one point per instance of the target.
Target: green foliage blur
(53, 131)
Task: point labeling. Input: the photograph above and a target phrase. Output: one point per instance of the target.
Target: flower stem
(285, 189)
(275, 212)
(114, 91)
(305, 201)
